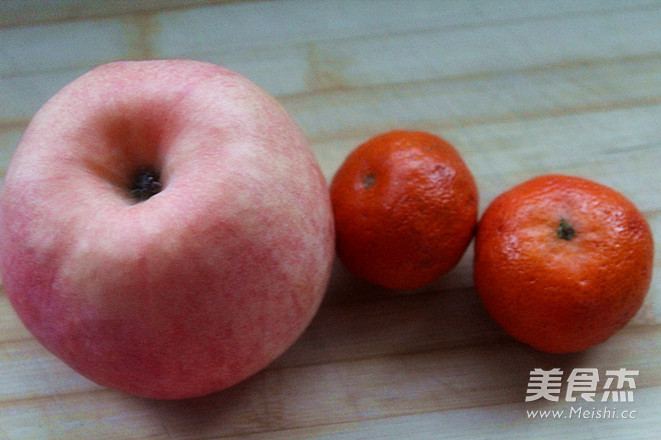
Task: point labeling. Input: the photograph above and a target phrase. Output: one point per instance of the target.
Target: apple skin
(199, 286)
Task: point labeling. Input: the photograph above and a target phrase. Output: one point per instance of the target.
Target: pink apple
(164, 228)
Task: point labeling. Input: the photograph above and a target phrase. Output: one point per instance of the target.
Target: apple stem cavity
(369, 181)
(146, 183)
(565, 231)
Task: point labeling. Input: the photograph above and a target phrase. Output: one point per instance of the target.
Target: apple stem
(565, 231)
(146, 183)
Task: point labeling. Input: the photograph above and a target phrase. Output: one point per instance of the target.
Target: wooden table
(521, 88)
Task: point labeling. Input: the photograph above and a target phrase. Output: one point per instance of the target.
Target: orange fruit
(405, 207)
(562, 263)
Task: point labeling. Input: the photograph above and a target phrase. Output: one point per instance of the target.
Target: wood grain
(521, 88)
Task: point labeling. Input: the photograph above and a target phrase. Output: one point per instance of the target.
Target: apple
(165, 228)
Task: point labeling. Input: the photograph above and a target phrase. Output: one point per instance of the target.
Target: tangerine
(562, 263)
(405, 208)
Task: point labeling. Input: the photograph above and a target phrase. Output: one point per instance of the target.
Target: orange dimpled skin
(405, 207)
(562, 263)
